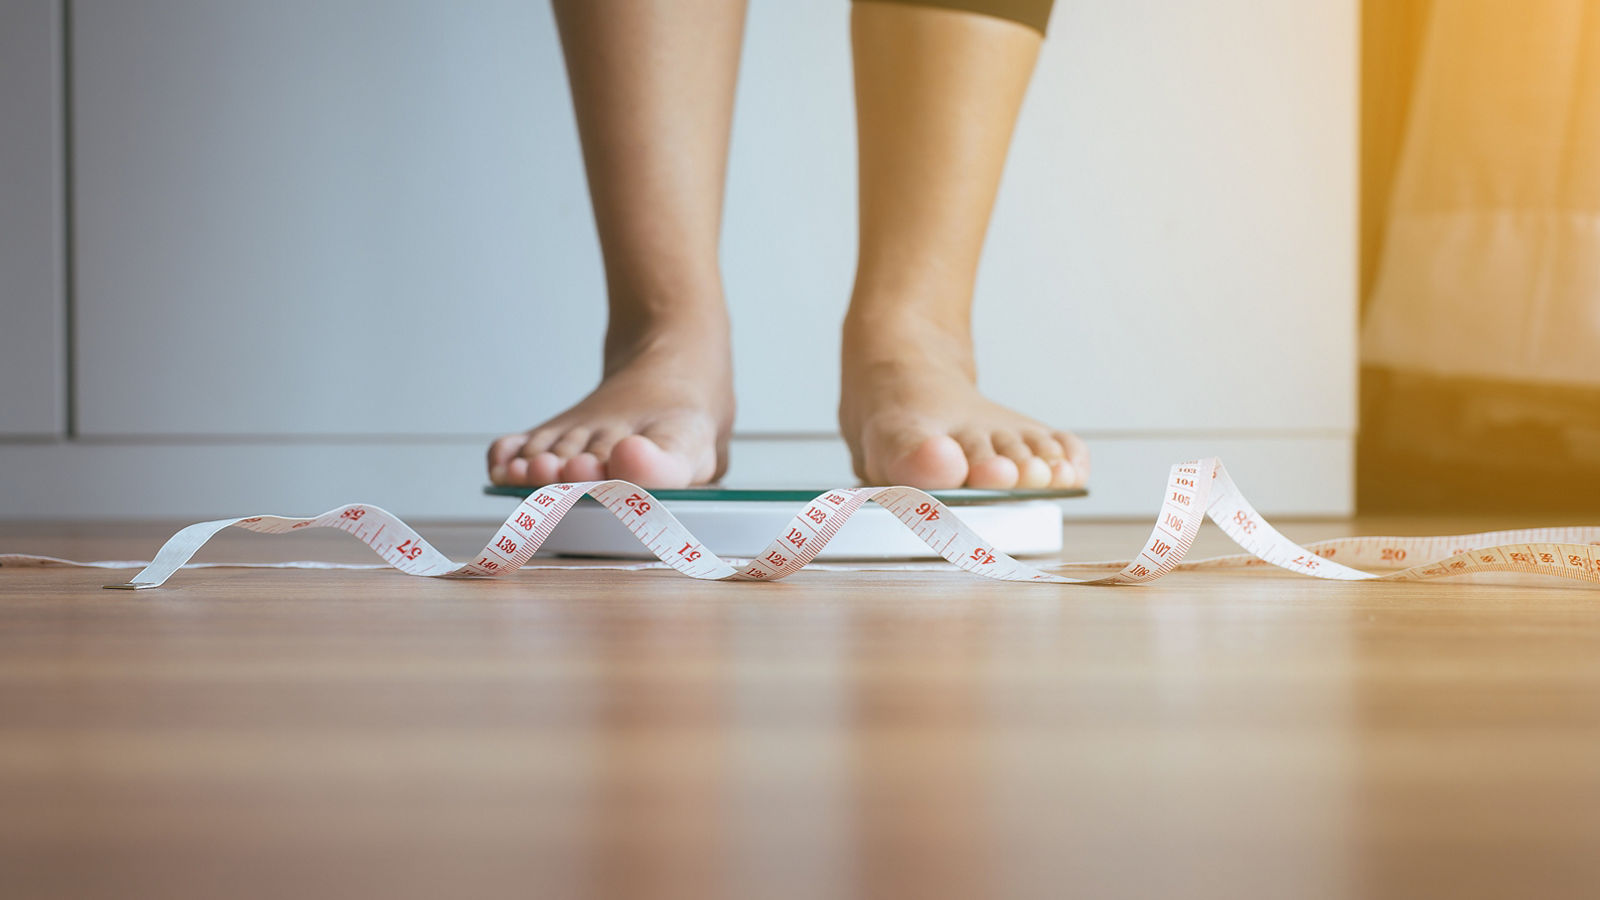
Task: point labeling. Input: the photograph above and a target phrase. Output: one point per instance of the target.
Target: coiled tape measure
(1194, 491)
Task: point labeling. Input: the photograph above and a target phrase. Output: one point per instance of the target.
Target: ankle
(695, 320)
(878, 334)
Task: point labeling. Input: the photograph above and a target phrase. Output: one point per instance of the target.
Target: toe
(1077, 454)
(986, 468)
(583, 467)
(539, 440)
(516, 471)
(1011, 445)
(998, 473)
(977, 445)
(659, 460)
(502, 452)
(571, 443)
(544, 468)
(1044, 446)
(1064, 474)
(936, 462)
(603, 440)
(911, 453)
(991, 466)
(1032, 472)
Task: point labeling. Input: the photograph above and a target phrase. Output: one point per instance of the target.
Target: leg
(937, 94)
(653, 85)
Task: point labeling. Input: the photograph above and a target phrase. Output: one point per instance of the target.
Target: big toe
(936, 463)
(642, 461)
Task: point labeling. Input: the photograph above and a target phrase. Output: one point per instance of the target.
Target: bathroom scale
(741, 522)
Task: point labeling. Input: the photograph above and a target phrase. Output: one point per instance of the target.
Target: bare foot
(659, 418)
(911, 413)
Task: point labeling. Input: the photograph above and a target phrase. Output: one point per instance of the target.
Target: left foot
(911, 412)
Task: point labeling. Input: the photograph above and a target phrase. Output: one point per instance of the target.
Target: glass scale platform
(742, 521)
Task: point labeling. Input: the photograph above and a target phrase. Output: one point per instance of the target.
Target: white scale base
(745, 528)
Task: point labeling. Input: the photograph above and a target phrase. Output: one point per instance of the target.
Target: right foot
(659, 418)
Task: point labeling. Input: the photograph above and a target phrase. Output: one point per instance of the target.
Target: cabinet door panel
(328, 217)
(32, 317)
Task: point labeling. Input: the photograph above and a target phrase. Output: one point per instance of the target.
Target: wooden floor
(608, 734)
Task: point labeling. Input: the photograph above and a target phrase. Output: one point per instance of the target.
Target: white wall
(328, 249)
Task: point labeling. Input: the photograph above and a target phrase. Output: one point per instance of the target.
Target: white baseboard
(441, 478)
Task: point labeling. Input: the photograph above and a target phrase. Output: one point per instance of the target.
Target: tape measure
(738, 521)
(1194, 491)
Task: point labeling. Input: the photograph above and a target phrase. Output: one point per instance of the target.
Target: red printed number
(777, 559)
(927, 512)
(525, 521)
(637, 503)
(353, 515)
(796, 538)
(688, 552)
(410, 549)
(506, 544)
(982, 556)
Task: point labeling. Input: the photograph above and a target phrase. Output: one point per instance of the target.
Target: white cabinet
(33, 344)
(327, 217)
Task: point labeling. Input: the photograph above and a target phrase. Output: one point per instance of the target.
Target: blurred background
(274, 257)
(1480, 255)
